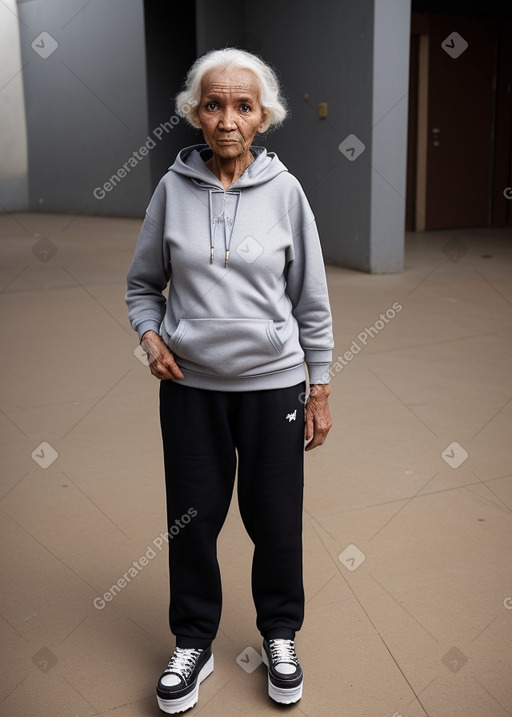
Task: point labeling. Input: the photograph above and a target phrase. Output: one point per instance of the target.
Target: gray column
(389, 134)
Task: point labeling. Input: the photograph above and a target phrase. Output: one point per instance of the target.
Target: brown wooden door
(461, 81)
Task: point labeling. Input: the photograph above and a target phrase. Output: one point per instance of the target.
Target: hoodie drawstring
(222, 218)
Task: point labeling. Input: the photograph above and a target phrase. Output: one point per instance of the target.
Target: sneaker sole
(283, 695)
(181, 704)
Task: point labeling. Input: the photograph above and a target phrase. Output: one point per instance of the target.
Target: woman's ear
(194, 118)
(264, 121)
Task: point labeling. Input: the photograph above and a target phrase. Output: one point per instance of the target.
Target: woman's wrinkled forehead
(230, 80)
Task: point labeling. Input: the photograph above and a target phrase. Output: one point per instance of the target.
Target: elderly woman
(247, 311)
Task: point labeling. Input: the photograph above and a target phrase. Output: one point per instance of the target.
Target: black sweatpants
(203, 432)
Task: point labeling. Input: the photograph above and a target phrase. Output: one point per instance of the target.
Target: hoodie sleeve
(307, 290)
(150, 270)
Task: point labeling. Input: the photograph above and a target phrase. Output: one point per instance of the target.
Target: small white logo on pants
(292, 416)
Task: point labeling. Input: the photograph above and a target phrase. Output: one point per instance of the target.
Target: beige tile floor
(408, 506)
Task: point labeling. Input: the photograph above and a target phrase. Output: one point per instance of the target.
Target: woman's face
(229, 112)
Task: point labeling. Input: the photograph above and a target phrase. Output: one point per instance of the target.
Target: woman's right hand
(161, 361)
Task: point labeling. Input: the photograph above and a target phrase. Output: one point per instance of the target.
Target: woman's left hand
(318, 415)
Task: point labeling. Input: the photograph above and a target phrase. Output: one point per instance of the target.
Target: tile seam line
(47, 550)
(318, 518)
(403, 507)
(374, 626)
(88, 497)
(489, 693)
(96, 404)
(402, 607)
(404, 676)
(97, 301)
(404, 404)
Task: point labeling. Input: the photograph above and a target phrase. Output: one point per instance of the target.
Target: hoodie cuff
(148, 325)
(319, 373)
(318, 363)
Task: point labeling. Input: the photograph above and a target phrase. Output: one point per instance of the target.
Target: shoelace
(183, 662)
(283, 651)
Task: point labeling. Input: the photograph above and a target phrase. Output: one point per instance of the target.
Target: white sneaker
(178, 687)
(285, 676)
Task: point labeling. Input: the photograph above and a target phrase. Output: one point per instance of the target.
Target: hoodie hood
(223, 204)
(190, 162)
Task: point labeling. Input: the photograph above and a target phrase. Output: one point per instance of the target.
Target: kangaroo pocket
(227, 347)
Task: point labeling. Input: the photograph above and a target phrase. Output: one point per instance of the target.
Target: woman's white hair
(271, 99)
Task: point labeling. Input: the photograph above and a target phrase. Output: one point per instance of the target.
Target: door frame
(500, 213)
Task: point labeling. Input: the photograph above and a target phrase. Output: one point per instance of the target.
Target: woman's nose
(227, 120)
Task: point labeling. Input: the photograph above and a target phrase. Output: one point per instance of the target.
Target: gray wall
(352, 54)
(109, 86)
(86, 104)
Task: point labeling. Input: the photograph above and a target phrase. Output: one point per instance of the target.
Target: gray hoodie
(248, 301)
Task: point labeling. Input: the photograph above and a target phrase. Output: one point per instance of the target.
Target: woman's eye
(245, 108)
(211, 106)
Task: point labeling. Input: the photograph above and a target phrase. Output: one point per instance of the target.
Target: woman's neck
(228, 170)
